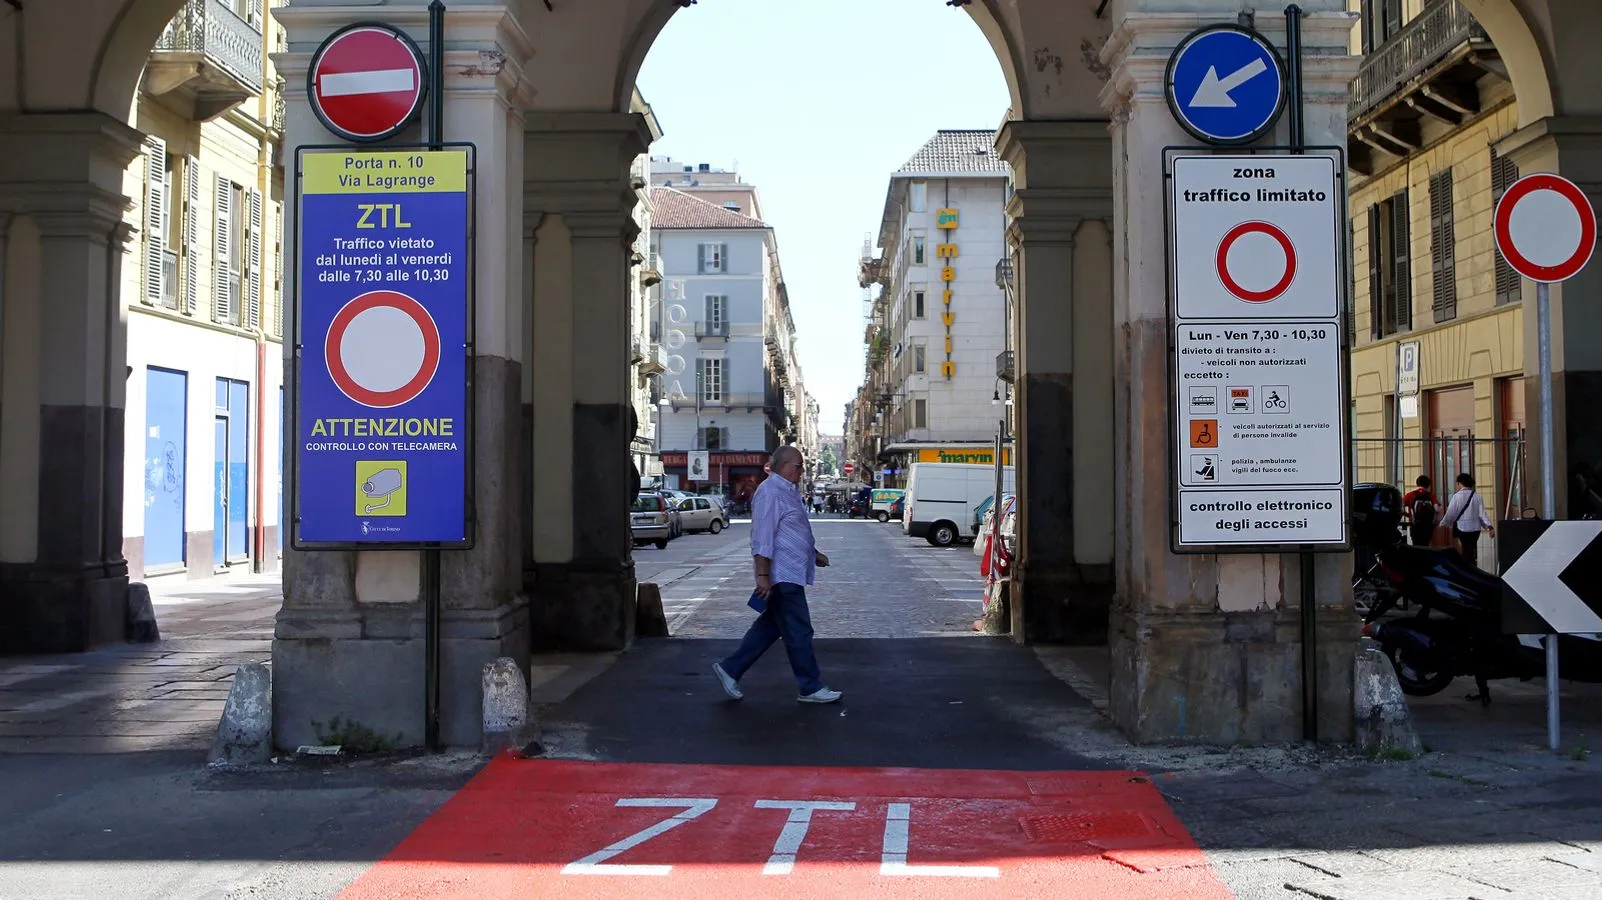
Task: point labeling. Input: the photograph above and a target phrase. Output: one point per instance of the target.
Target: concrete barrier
(1384, 723)
(508, 724)
(140, 626)
(649, 620)
(245, 732)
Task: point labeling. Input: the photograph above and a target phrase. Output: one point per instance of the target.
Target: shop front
(731, 474)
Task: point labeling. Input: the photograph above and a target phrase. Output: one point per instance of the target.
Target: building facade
(647, 358)
(1438, 365)
(939, 321)
(203, 289)
(731, 388)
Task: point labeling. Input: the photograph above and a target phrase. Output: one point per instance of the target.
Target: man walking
(784, 555)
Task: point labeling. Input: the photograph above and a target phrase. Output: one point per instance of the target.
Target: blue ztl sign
(382, 432)
(1226, 84)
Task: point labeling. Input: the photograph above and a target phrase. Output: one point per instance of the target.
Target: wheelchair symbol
(1275, 399)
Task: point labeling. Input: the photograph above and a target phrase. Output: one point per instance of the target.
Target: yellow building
(203, 289)
(1438, 358)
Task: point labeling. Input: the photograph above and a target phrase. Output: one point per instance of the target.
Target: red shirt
(1412, 497)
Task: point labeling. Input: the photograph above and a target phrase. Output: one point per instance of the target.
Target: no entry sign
(1545, 228)
(366, 82)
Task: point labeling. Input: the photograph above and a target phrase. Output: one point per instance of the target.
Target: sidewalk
(131, 697)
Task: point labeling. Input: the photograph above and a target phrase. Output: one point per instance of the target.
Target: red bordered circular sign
(1232, 281)
(1545, 228)
(382, 349)
(366, 82)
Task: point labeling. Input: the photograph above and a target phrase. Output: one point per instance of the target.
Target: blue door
(219, 481)
(238, 471)
(165, 433)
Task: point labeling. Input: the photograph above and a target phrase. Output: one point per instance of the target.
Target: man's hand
(764, 583)
(822, 560)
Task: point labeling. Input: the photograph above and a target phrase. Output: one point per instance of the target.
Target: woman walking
(1465, 515)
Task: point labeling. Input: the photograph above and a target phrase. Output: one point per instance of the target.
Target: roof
(957, 153)
(675, 209)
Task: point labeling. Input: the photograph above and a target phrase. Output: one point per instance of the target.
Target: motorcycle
(1457, 628)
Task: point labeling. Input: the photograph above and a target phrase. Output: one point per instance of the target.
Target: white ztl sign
(1259, 398)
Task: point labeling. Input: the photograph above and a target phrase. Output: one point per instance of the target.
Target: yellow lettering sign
(948, 368)
(946, 219)
(946, 297)
(946, 251)
(948, 318)
(947, 273)
(383, 210)
(948, 345)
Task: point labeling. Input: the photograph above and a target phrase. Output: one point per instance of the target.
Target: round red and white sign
(1545, 228)
(366, 82)
(382, 349)
(1256, 262)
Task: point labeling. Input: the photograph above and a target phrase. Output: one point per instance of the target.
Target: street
(957, 765)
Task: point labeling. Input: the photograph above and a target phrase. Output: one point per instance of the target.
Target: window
(236, 255)
(1390, 269)
(919, 196)
(920, 412)
(1451, 435)
(917, 305)
(711, 438)
(717, 314)
(1509, 286)
(918, 250)
(1382, 19)
(713, 259)
(711, 378)
(157, 216)
(918, 358)
(1443, 247)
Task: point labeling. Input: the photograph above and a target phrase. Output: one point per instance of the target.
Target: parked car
(651, 520)
(672, 498)
(883, 500)
(702, 514)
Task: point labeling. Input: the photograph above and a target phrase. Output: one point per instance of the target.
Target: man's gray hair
(782, 454)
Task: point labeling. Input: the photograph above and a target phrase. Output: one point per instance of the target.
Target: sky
(817, 103)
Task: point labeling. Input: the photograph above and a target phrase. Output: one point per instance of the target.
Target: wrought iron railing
(1443, 26)
(211, 28)
(1005, 366)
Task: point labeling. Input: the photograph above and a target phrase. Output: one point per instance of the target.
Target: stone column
(581, 583)
(63, 579)
(1063, 577)
(1204, 648)
(349, 639)
(1570, 146)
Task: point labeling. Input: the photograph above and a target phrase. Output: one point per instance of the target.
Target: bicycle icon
(1275, 399)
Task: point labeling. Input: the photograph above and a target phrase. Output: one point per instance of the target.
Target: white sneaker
(730, 686)
(821, 695)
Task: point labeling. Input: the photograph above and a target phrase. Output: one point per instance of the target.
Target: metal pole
(1543, 326)
(1308, 587)
(430, 568)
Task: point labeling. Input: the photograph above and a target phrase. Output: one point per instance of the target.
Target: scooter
(1457, 629)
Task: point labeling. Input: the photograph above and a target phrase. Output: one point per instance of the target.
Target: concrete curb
(650, 620)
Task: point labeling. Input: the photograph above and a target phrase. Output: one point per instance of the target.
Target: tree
(829, 462)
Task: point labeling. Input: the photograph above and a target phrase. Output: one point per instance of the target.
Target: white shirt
(1466, 512)
(781, 531)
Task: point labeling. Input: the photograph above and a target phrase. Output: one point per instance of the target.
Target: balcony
(648, 356)
(1005, 366)
(870, 271)
(1428, 70)
(207, 61)
(712, 330)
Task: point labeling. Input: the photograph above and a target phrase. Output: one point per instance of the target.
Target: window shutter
(1402, 257)
(700, 258)
(700, 379)
(1443, 250)
(1376, 286)
(1351, 286)
(723, 257)
(220, 249)
(1509, 287)
(191, 272)
(155, 219)
(278, 269)
(253, 259)
(255, 14)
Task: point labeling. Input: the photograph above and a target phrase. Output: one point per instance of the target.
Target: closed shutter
(723, 257)
(253, 259)
(155, 220)
(1376, 270)
(1402, 258)
(700, 380)
(1351, 285)
(221, 250)
(191, 261)
(700, 258)
(1443, 250)
(255, 15)
(1509, 286)
(278, 269)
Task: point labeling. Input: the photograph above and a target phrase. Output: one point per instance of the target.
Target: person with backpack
(1421, 508)
(1465, 515)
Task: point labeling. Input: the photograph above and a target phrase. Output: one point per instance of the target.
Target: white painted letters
(595, 863)
(893, 861)
(782, 862)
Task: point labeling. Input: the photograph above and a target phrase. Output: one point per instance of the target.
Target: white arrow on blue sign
(1226, 84)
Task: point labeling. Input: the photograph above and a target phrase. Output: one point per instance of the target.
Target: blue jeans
(786, 617)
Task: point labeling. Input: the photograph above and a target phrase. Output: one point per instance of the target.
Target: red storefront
(734, 474)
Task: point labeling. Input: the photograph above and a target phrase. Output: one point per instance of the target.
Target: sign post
(1546, 230)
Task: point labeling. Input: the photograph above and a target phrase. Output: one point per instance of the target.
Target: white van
(942, 499)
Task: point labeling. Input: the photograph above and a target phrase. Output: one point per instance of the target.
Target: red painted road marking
(533, 828)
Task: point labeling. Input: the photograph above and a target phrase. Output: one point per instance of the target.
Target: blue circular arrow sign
(1226, 84)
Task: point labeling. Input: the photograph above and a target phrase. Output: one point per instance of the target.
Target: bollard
(507, 723)
(650, 620)
(140, 626)
(1379, 707)
(245, 732)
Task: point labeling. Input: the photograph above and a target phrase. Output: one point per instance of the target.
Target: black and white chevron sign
(1551, 576)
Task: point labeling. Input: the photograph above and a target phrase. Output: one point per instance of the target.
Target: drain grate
(1061, 829)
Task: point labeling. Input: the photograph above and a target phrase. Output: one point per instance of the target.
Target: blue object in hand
(757, 602)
